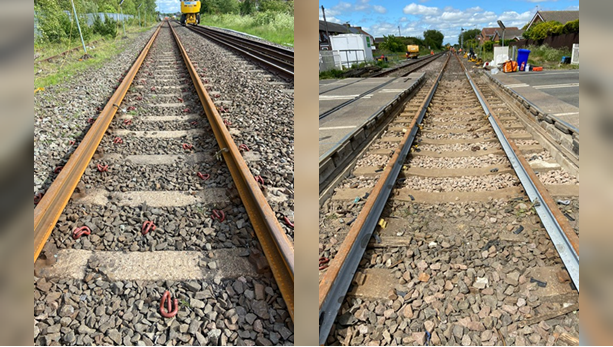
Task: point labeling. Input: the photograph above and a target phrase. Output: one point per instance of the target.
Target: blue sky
(169, 6)
(379, 17)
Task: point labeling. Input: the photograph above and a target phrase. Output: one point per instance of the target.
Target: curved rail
(277, 248)
(274, 58)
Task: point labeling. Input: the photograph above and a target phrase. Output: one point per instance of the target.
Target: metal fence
(90, 17)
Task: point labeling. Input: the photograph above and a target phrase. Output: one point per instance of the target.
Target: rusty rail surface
(335, 282)
(51, 206)
(277, 247)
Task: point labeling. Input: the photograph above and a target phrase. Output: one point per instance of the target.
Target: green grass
(271, 26)
(64, 68)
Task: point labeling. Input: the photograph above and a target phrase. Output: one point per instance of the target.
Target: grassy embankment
(63, 68)
(275, 27)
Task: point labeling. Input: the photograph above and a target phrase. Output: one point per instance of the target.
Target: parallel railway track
(170, 205)
(274, 58)
(444, 234)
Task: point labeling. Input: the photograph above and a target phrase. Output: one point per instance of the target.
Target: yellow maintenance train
(190, 12)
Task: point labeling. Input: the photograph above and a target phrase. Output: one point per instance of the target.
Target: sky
(169, 6)
(380, 17)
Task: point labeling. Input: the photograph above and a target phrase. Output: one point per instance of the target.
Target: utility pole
(78, 26)
(323, 10)
(123, 22)
(462, 39)
(399, 35)
(139, 22)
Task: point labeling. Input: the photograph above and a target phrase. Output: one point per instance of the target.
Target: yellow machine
(190, 12)
(412, 51)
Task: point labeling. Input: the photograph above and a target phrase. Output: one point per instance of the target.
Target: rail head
(335, 282)
(557, 226)
(51, 206)
(277, 247)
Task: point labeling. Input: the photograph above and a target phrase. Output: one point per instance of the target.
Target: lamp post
(503, 29)
(122, 18)
(462, 39)
(399, 35)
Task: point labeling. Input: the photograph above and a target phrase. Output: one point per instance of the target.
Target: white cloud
(416, 9)
(330, 19)
(379, 9)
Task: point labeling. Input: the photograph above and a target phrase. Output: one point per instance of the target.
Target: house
(559, 16)
(359, 30)
(509, 34)
(486, 35)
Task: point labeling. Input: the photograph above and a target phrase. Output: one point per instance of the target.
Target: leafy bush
(488, 46)
(393, 44)
(541, 30)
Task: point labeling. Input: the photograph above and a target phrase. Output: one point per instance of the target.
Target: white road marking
(391, 90)
(552, 86)
(565, 114)
(337, 128)
(337, 97)
(518, 85)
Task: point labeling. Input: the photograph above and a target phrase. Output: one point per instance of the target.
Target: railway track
(442, 234)
(157, 244)
(274, 58)
(406, 69)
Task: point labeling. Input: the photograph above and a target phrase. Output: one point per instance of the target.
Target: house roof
(560, 16)
(488, 31)
(510, 32)
(333, 28)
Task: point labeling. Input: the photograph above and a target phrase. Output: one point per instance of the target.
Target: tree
(393, 44)
(433, 38)
(247, 7)
(468, 34)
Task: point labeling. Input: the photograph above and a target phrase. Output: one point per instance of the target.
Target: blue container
(522, 58)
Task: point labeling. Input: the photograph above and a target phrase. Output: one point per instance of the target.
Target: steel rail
(51, 206)
(336, 280)
(275, 51)
(276, 246)
(559, 229)
(282, 67)
(348, 102)
(415, 64)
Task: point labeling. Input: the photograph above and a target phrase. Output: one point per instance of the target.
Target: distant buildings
(336, 29)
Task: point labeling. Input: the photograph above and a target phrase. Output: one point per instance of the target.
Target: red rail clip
(243, 147)
(131, 108)
(38, 197)
(204, 176)
(259, 179)
(194, 122)
(72, 142)
(186, 146)
(117, 140)
(91, 120)
(288, 222)
(78, 232)
(152, 89)
(168, 313)
(102, 168)
(227, 122)
(180, 99)
(217, 95)
(323, 263)
(186, 110)
(139, 98)
(127, 121)
(58, 169)
(219, 215)
(147, 227)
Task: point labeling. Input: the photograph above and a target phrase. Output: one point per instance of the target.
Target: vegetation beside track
(272, 20)
(547, 57)
(65, 67)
